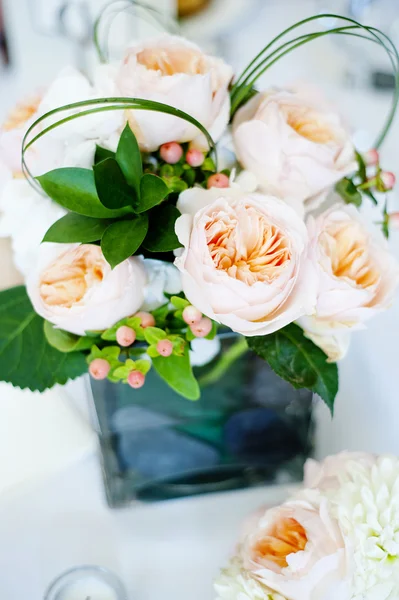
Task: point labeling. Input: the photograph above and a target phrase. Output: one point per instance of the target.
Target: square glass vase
(248, 428)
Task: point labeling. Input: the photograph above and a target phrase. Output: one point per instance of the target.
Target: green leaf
(212, 334)
(177, 372)
(26, 358)
(75, 190)
(160, 315)
(74, 228)
(123, 238)
(112, 189)
(161, 235)
(349, 192)
(362, 171)
(152, 352)
(153, 190)
(154, 334)
(179, 302)
(102, 154)
(65, 341)
(299, 361)
(109, 353)
(128, 156)
(143, 365)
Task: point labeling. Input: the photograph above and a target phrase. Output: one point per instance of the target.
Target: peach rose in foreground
(74, 287)
(326, 475)
(357, 277)
(294, 144)
(173, 71)
(245, 259)
(298, 551)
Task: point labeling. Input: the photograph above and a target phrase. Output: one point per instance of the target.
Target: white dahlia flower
(367, 509)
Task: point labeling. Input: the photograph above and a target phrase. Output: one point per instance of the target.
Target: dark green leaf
(370, 195)
(299, 361)
(111, 185)
(349, 192)
(153, 190)
(161, 235)
(362, 167)
(65, 341)
(76, 228)
(177, 372)
(74, 188)
(123, 238)
(102, 154)
(26, 358)
(128, 156)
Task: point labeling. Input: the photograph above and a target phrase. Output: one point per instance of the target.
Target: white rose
(74, 287)
(244, 262)
(25, 216)
(295, 145)
(173, 71)
(328, 474)
(357, 277)
(298, 551)
(162, 277)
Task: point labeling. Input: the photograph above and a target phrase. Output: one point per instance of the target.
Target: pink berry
(136, 379)
(388, 180)
(202, 328)
(191, 315)
(219, 180)
(195, 157)
(147, 320)
(171, 153)
(371, 157)
(99, 368)
(165, 347)
(125, 336)
(394, 221)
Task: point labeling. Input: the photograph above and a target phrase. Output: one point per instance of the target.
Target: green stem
(226, 360)
(107, 104)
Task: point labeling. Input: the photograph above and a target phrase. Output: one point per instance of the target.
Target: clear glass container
(248, 428)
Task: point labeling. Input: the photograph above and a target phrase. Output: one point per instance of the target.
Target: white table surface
(165, 551)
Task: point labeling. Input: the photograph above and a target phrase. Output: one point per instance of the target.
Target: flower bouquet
(176, 204)
(336, 538)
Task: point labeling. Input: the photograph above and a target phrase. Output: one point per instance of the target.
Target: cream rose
(171, 70)
(295, 145)
(244, 262)
(298, 551)
(357, 277)
(74, 287)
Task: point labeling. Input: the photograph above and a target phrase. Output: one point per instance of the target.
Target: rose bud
(147, 320)
(136, 379)
(125, 336)
(388, 180)
(165, 347)
(371, 157)
(202, 328)
(99, 368)
(195, 157)
(171, 153)
(219, 180)
(191, 315)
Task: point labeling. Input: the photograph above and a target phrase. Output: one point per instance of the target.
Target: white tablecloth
(166, 551)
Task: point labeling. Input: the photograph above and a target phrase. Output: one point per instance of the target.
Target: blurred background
(38, 37)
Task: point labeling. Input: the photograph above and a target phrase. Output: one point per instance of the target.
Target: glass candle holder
(86, 583)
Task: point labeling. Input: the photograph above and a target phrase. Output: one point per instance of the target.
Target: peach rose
(245, 261)
(294, 144)
(74, 287)
(298, 551)
(326, 475)
(357, 277)
(171, 70)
